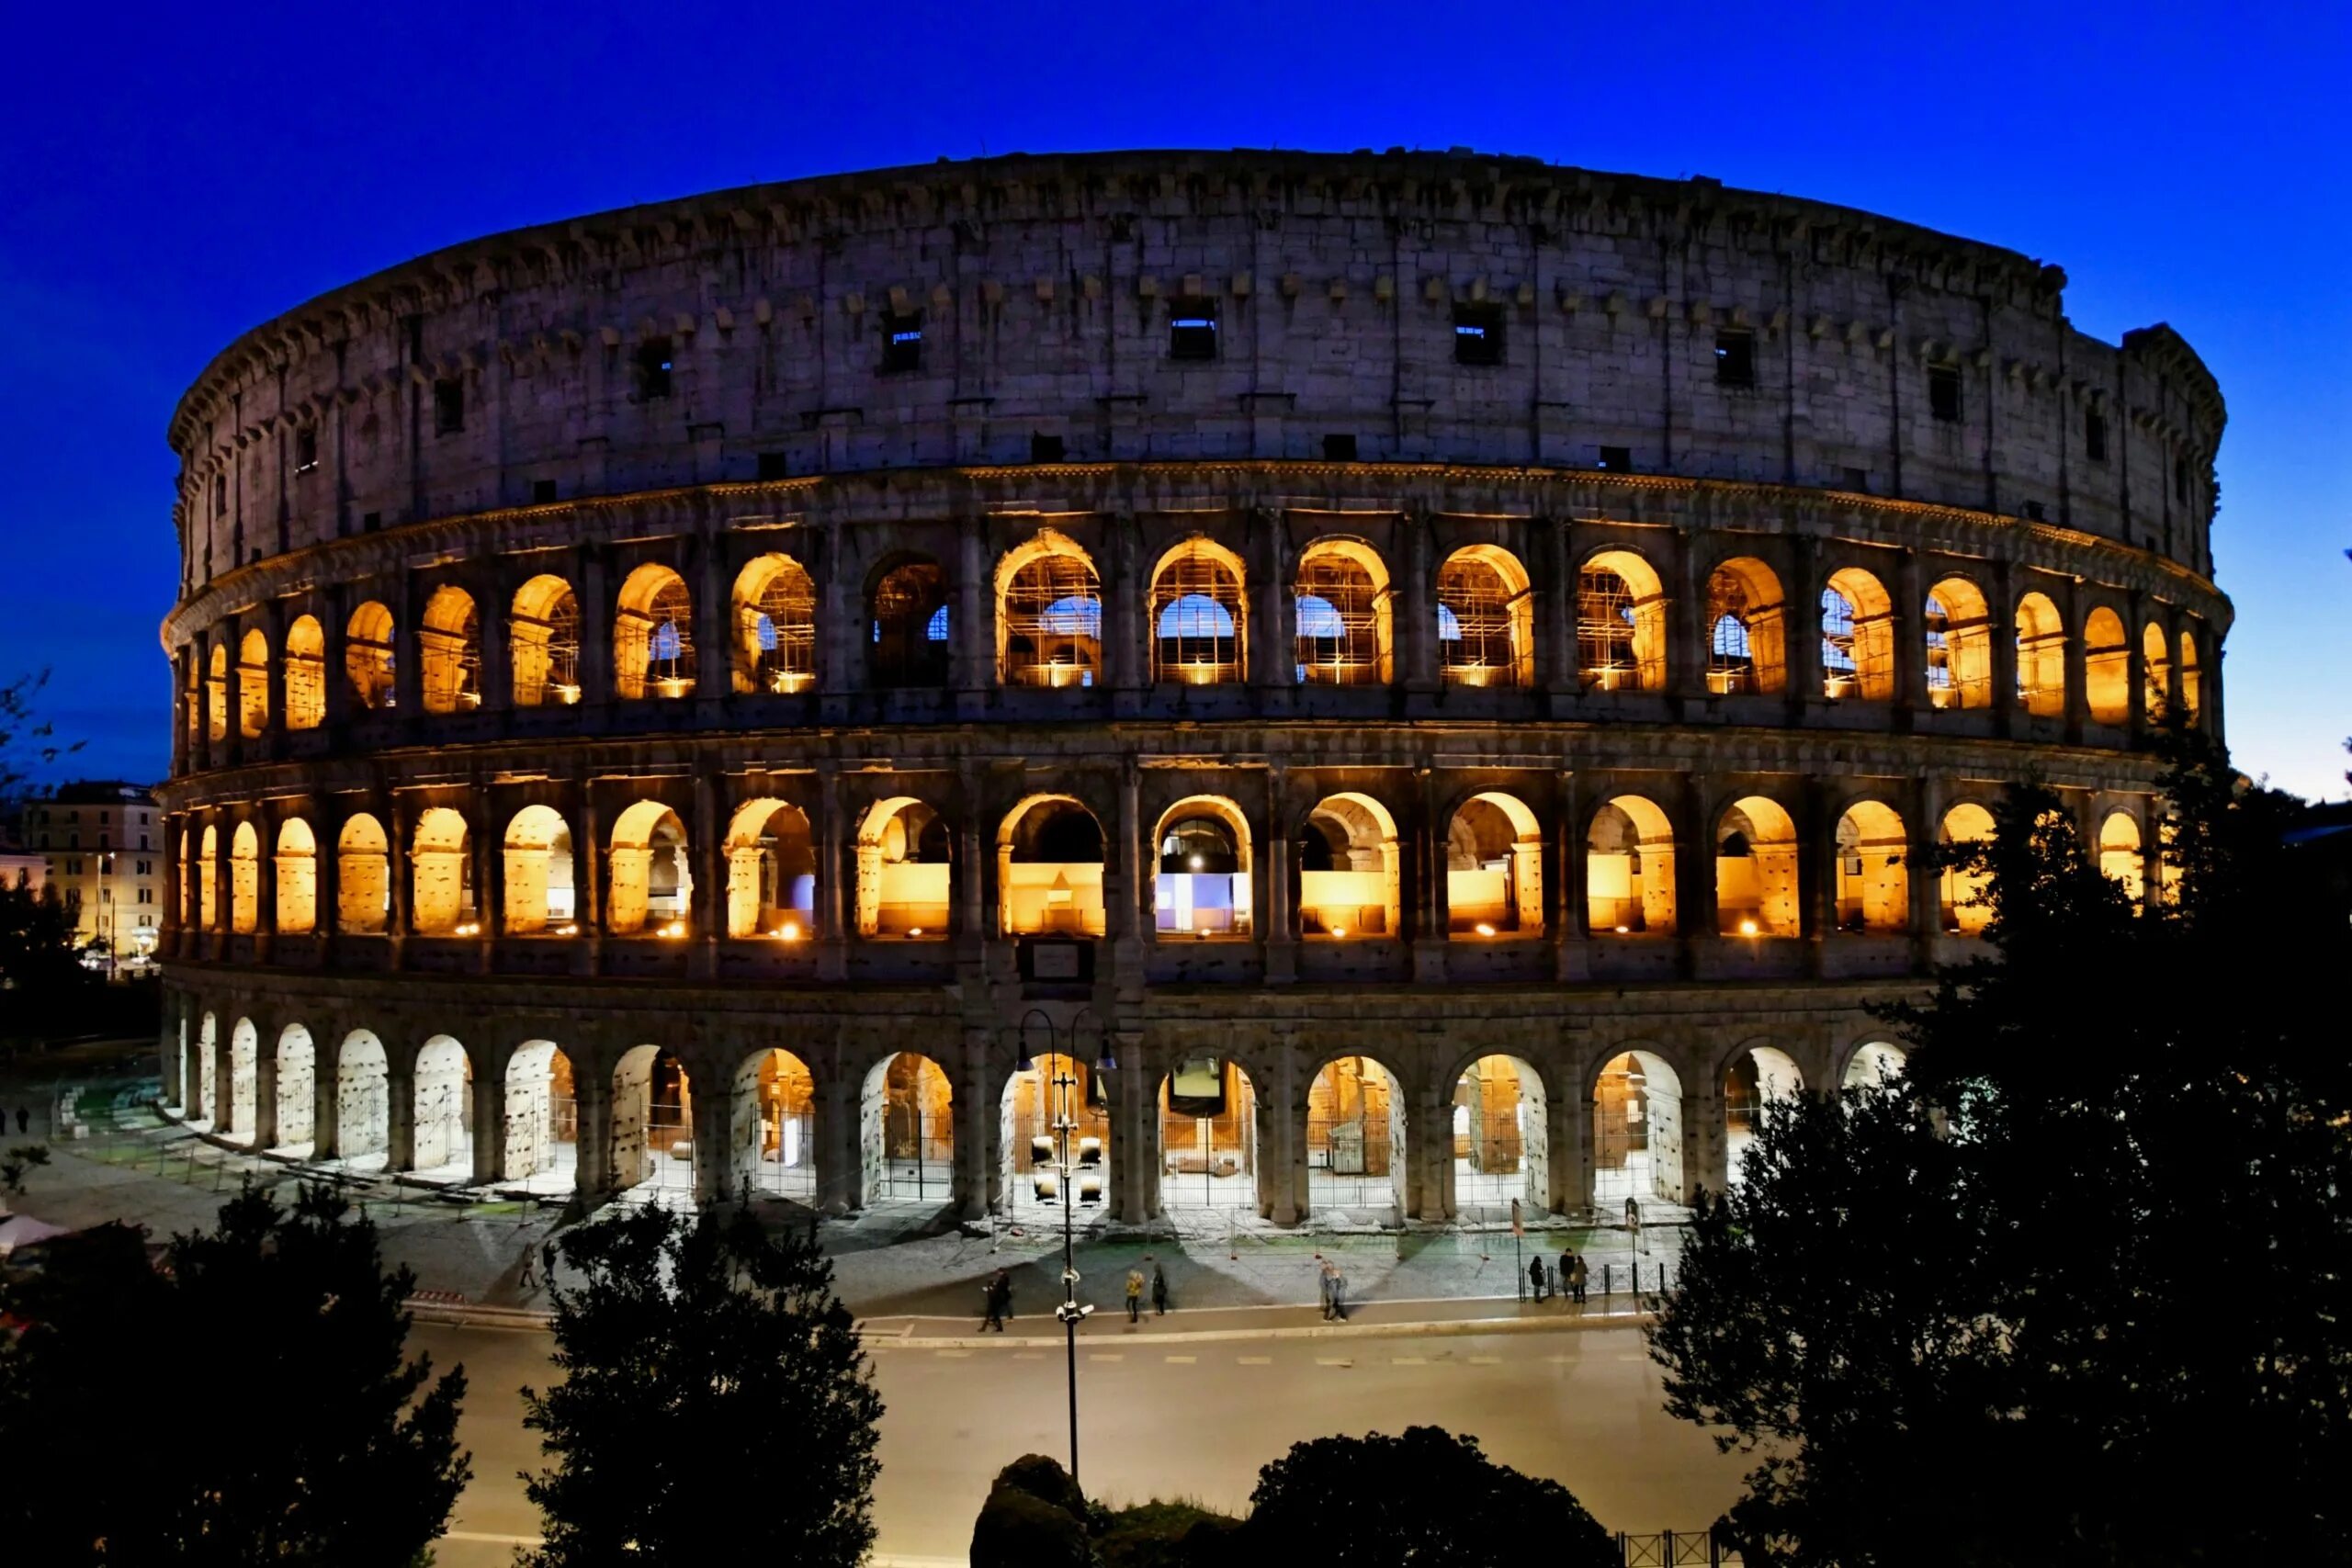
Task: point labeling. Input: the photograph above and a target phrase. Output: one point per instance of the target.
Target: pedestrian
(1339, 1294)
(1576, 1274)
(998, 1294)
(812, 1227)
(1323, 1288)
(1158, 1290)
(527, 1281)
(24, 1120)
(1535, 1277)
(1135, 1294)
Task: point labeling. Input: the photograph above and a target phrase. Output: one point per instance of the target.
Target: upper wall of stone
(521, 366)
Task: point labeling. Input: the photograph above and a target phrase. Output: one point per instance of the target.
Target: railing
(1678, 1548)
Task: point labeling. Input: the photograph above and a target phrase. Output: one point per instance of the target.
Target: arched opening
(449, 646)
(204, 1105)
(776, 627)
(2192, 683)
(1755, 1080)
(363, 876)
(649, 886)
(1199, 618)
(368, 656)
(244, 880)
(653, 635)
(363, 1102)
(297, 1088)
(771, 1126)
(652, 1136)
(1621, 623)
(1747, 629)
(444, 1080)
(208, 880)
(2155, 672)
(1050, 615)
(2106, 667)
(2118, 854)
(906, 1122)
(253, 685)
(1052, 1088)
(1875, 1062)
(216, 694)
(1501, 1140)
(1636, 1131)
(2041, 657)
(1201, 887)
(540, 897)
(542, 1149)
(1756, 870)
(543, 629)
(1873, 881)
(1350, 876)
(1049, 865)
(441, 875)
(1486, 619)
(297, 861)
(1355, 1140)
(771, 873)
(905, 871)
(1962, 906)
(1629, 868)
(306, 673)
(244, 1080)
(1340, 598)
(1494, 868)
(1208, 1136)
(909, 647)
(1857, 637)
(1959, 639)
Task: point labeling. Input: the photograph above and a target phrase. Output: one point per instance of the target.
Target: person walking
(1339, 1293)
(1535, 1277)
(998, 1294)
(1323, 1288)
(24, 1120)
(1135, 1294)
(527, 1281)
(1158, 1290)
(1577, 1273)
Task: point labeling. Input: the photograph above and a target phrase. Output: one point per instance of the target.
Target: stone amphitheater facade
(1452, 658)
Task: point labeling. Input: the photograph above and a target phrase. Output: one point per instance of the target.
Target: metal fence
(1678, 1549)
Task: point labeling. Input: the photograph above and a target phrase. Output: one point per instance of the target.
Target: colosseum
(1376, 684)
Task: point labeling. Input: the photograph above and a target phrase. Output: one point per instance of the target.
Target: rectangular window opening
(1044, 448)
(306, 449)
(448, 407)
(775, 466)
(1858, 481)
(1943, 393)
(1478, 334)
(1616, 459)
(542, 492)
(1736, 359)
(1192, 329)
(2033, 511)
(902, 342)
(2181, 481)
(2095, 435)
(1340, 448)
(654, 364)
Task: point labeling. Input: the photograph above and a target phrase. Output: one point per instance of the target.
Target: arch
(1340, 600)
(537, 874)
(1747, 629)
(306, 673)
(1629, 868)
(245, 1082)
(443, 1081)
(1036, 1097)
(449, 651)
(2120, 854)
(244, 880)
(2041, 657)
(1959, 641)
(295, 858)
(208, 880)
(652, 1131)
(2155, 672)
(1486, 619)
(368, 656)
(543, 642)
(1349, 869)
(363, 1114)
(1873, 877)
(771, 1126)
(216, 694)
(906, 1123)
(363, 876)
(1500, 1135)
(2106, 667)
(1874, 1062)
(1208, 1136)
(1756, 870)
(1049, 615)
(649, 883)
(908, 618)
(1963, 911)
(1202, 884)
(1756, 1078)
(253, 684)
(1494, 868)
(2192, 683)
(1856, 637)
(1621, 623)
(1637, 1131)
(441, 875)
(1355, 1138)
(653, 635)
(905, 871)
(298, 1080)
(541, 1131)
(1049, 868)
(1199, 616)
(775, 626)
(771, 872)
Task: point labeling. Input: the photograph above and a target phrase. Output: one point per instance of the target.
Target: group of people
(1565, 1279)
(996, 1293)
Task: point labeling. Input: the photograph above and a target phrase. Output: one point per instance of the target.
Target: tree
(1428, 1498)
(25, 741)
(2080, 1288)
(696, 1353)
(332, 1448)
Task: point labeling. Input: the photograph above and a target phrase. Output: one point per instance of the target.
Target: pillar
(1134, 1132)
(972, 657)
(326, 1081)
(833, 1134)
(2077, 706)
(1801, 623)
(592, 577)
(1568, 1117)
(1273, 650)
(265, 1085)
(592, 1096)
(1128, 664)
(1282, 1124)
(980, 1164)
(1555, 622)
(1911, 642)
(1413, 616)
(833, 911)
(2001, 614)
(1695, 916)
(399, 1109)
(488, 1123)
(1274, 901)
(1686, 657)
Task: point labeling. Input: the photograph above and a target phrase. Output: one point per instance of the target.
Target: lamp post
(1037, 1027)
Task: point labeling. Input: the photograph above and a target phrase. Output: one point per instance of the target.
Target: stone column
(1910, 633)
(713, 1155)
(1425, 917)
(265, 1084)
(1816, 870)
(1924, 823)
(408, 651)
(1555, 620)
(179, 714)
(333, 650)
(593, 591)
(326, 865)
(1569, 960)
(972, 658)
(592, 1092)
(265, 885)
(2135, 668)
(1695, 915)
(587, 880)
(714, 622)
(486, 843)
(1566, 1115)
(399, 823)
(834, 928)
(706, 854)
(1134, 1136)
(2077, 707)
(980, 1164)
(833, 1135)
(400, 1106)
(2001, 616)
(1276, 905)
(326, 1083)
(1272, 650)
(1282, 1123)
(1126, 657)
(1413, 617)
(1801, 623)
(489, 1124)
(1686, 663)
(272, 615)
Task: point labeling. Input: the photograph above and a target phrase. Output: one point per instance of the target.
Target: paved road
(1190, 1419)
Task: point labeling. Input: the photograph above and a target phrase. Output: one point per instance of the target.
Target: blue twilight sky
(169, 178)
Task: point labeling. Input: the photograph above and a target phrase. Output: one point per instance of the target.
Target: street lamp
(1037, 1027)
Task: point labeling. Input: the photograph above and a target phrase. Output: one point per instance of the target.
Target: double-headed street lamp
(1038, 1032)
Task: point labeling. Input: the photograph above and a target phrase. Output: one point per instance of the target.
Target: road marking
(1408, 1360)
(1105, 1356)
(1562, 1360)
(952, 1355)
(1255, 1361)
(1333, 1362)
(1486, 1360)
(1181, 1360)
(1625, 1358)
(1028, 1355)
